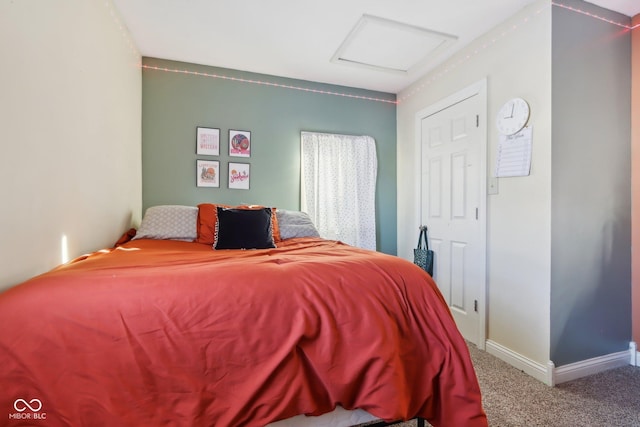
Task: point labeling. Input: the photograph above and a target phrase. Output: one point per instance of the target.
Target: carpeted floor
(512, 398)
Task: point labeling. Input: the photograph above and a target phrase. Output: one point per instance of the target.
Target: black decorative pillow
(243, 229)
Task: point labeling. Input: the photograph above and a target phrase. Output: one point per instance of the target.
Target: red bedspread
(165, 333)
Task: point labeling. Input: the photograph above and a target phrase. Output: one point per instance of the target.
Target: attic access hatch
(391, 46)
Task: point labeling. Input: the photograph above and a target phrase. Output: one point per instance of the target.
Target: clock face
(513, 116)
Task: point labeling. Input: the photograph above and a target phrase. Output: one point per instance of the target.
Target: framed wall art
(208, 173)
(239, 176)
(207, 141)
(239, 143)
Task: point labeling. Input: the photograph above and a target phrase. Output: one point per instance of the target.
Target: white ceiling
(627, 7)
(298, 39)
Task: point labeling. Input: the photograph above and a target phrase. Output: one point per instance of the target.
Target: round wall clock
(512, 116)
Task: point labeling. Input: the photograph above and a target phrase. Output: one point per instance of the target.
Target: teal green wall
(174, 104)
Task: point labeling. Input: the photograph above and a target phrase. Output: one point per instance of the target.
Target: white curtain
(339, 186)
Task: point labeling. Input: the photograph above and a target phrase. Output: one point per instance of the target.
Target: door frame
(476, 89)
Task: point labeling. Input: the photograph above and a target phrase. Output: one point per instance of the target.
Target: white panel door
(452, 173)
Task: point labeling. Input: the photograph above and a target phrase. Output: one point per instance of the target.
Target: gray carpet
(512, 398)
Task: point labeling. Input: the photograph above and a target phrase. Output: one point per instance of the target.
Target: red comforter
(165, 333)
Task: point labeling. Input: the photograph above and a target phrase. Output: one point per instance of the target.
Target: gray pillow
(169, 222)
(295, 224)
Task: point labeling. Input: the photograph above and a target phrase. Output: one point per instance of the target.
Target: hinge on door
(475, 305)
(476, 213)
(477, 120)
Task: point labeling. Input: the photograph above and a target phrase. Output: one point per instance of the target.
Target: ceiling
(357, 43)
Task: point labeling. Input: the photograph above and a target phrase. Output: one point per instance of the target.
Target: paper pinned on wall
(514, 154)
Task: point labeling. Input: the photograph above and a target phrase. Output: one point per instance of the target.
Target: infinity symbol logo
(21, 405)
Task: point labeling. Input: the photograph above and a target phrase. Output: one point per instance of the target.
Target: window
(338, 186)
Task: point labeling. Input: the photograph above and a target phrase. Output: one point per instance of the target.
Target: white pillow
(169, 222)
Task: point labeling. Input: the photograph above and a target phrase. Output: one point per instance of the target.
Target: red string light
(266, 83)
(417, 89)
(124, 32)
(592, 15)
(505, 33)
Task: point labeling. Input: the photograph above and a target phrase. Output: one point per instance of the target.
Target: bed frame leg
(419, 421)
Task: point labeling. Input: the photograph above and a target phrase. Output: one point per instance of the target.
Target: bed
(169, 329)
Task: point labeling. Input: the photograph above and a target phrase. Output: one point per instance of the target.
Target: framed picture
(239, 143)
(208, 141)
(239, 176)
(208, 173)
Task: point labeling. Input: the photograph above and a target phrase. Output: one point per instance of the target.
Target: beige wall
(70, 132)
(635, 176)
(515, 58)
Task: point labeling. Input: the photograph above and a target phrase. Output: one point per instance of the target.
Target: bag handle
(423, 237)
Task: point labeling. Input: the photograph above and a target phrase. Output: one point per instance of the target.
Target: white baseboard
(583, 368)
(528, 366)
(551, 375)
(635, 354)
